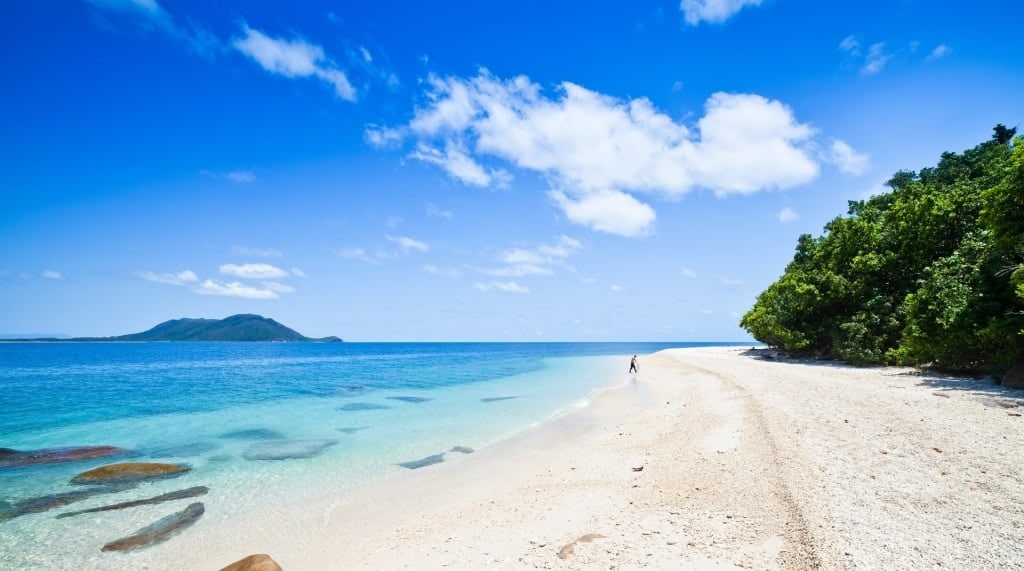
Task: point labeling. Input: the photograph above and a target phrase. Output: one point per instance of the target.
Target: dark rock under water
(17, 458)
(496, 399)
(363, 406)
(48, 502)
(415, 400)
(253, 434)
(352, 429)
(183, 450)
(423, 462)
(130, 472)
(170, 496)
(287, 449)
(462, 449)
(158, 531)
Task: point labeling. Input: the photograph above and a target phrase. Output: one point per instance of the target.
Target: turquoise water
(355, 412)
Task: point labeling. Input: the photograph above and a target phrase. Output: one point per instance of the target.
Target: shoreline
(711, 460)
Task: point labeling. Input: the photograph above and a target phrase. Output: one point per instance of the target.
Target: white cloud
(258, 252)
(539, 261)
(939, 52)
(437, 212)
(235, 289)
(293, 58)
(597, 150)
(875, 60)
(298, 273)
(198, 39)
(278, 287)
(357, 254)
(688, 273)
(179, 278)
(677, 86)
(714, 11)
(253, 271)
(850, 45)
(407, 244)
(787, 215)
(366, 54)
(616, 288)
(727, 281)
(846, 159)
(507, 287)
(452, 273)
(243, 177)
(51, 275)
(589, 281)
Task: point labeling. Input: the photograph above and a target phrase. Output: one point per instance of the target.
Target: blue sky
(533, 171)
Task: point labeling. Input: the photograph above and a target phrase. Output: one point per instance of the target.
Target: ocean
(258, 425)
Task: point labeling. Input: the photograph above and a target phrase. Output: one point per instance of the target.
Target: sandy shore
(711, 459)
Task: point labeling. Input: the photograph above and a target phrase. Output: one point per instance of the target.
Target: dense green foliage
(929, 273)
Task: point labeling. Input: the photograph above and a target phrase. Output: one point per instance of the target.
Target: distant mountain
(243, 327)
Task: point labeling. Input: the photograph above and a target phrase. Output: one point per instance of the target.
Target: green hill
(243, 327)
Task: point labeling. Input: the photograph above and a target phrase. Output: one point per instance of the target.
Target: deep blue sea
(261, 423)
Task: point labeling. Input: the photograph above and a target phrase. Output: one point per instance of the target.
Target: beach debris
(352, 429)
(462, 449)
(258, 562)
(170, 496)
(423, 462)
(638, 468)
(183, 450)
(414, 400)
(938, 394)
(568, 548)
(158, 531)
(288, 449)
(46, 503)
(939, 450)
(10, 458)
(884, 451)
(130, 472)
(1013, 413)
(362, 406)
(253, 434)
(496, 399)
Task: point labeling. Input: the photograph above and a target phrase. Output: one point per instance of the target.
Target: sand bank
(711, 459)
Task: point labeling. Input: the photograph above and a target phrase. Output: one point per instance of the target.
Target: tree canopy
(929, 273)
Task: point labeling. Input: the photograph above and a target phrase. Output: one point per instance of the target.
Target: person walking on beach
(632, 365)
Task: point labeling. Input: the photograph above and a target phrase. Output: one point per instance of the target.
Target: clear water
(191, 403)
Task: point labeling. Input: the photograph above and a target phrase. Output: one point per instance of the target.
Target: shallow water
(261, 425)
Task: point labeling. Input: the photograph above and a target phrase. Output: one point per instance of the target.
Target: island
(242, 327)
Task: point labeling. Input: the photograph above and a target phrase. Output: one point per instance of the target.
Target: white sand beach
(712, 459)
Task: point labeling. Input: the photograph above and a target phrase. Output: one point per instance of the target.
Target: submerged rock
(287, 449)
(259, 562)
(159, 531)
(46, 503)
(410, 399)
(184, 450)
(130, 472)
(363, 406)
(463, 449)
(170, 496)
(422, 462)
(253, 434)
(496, 399)
(352, 429)
(16, 458)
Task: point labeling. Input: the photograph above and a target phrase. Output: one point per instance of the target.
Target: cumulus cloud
(939, 52)
(407, 244)
(298, 273)
(438, 212)
(846, 159)
(850, 45)
(542, 260)
(688, 273)
(253, 271)
(52, 275)
(507, 287)
(357, 254)
(452, 273)
(170, 278)
(241, 176)
(713, 11)
(787, 215)
(616, 288)
(293, 58)
(235, 289)
(597, 151)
